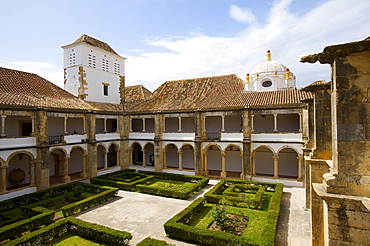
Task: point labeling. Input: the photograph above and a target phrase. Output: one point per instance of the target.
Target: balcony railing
(213, 135)
(54, 139)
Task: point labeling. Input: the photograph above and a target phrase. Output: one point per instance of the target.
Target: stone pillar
(66, 178)
(3, 178)
(32, 171)
(159, 156)
(84, 125)
(91, 164)
(180, 160)
(275, 123)
(180, 130)
(242, 175)
(300, 168)
(33, 126)
(65, 125)
(144, 158)
(252, 123)
(105, 124)
(254, 165)
(198, 144)
(223, 123)
(3, 126)
(276, 167)
(205, 170)
(246, 152)
(300, 122)
(106, 159)
(124, 126)
(144, 127)
(223, 161)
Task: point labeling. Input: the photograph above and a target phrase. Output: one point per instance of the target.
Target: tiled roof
(107, 107)
(30, 90)
(136, 93)
(94, 42)
(213, 92)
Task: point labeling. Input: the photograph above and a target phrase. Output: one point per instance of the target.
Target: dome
(269, 66)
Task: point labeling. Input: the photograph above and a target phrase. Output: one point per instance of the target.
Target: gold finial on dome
(287, 74)
(268, 55)
(248, 78)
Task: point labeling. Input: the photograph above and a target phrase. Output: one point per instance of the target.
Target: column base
(66, 179)
(275, 177)
(223, 175)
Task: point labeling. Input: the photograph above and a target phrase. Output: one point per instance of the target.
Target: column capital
(4, 167)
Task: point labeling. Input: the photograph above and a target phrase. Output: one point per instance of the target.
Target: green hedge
(177, 227)
(113, 180)
(153, 242)
(84, 229)
(43, 216)
(179, 177)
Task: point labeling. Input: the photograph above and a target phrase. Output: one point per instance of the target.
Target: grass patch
(68, 239)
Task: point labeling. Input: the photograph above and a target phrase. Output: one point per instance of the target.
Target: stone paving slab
(143, 215)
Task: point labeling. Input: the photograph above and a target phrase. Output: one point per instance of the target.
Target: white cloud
(288, 36)
(242, 15)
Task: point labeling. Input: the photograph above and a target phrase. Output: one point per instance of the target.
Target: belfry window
(105, 89)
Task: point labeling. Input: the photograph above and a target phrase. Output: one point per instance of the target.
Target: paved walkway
(144, 215)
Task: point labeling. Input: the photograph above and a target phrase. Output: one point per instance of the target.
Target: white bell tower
(93, 71)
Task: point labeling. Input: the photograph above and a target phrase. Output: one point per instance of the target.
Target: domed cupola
(269, 76)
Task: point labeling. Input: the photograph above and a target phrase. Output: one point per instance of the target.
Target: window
(105, 89)
(72, 59)
(267, 83)
(105, 65)
(92, 62)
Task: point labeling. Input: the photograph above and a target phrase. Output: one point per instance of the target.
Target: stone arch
(187, 156)
(148, 154)
(2, 162)
(76, 162)
(101, 154)
(112, 155)
(171, 155)
(263, 161)
(57, 162)
(288, 147)
(136, 153)
(288, 162)
(21, 170)
(233, 160)
(213, 160)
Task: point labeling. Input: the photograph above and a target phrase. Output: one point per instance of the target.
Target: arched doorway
(288, 163)
(137, 154)
(172, 156)
(213, 161)
(264, 161)
(149, 154)
(56, 165)
(112, 156)
(233, 161)
(21, 171)
(187, 157)
(76, 163)
(101, 157)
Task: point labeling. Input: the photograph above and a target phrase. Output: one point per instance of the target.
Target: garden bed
(32, 211)
(253, 224)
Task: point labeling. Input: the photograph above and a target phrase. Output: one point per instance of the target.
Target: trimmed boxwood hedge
(153, 242)
(42, 216)
(177, 226)
(84, 229)
(115, 180)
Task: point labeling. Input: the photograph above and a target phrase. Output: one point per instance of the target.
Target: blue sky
(178, 39)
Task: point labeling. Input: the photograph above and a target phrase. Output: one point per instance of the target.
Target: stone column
(106, 159)
(66, 178)
(198, 144)
(105, 124)
(131, 151)
(180, 160)
(275, 123)
(180, 130)
(300, 168)
(242, 174)
(3, 178)
(300, 122)
(276, 167)
(84, 163)
(205, 170)
(144, 158)
(84, 125)
(33, 126)
(252, 124)
(222, 123)
(65, 125)
(246, 151)
(3, 126)
(223, 161)
(144, 127)
(254, 165)
(32, 171)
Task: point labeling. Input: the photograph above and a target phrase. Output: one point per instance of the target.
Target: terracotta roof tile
(27, 89)
(137, 93)
(213, 92)
(94, 42)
